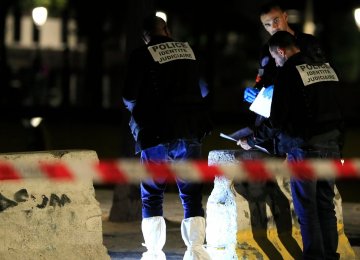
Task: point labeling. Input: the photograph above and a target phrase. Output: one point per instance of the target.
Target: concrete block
(257, 220)
(41, 219)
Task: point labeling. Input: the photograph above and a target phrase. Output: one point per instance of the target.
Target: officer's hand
(244, 144)
(268, 92)
(250, 94)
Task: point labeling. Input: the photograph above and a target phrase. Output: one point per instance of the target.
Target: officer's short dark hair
(150, 24)
(282, 39)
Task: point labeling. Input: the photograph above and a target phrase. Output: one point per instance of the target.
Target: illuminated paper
(262, 104)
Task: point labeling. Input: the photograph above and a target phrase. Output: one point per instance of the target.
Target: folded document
(242, 133)
(261, 104)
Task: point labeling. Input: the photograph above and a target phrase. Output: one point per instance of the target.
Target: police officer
(168, 121)
(274, 18)
(309, 124)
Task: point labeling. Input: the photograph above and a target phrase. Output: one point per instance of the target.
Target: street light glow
(39, 15)
(35, 121)
(357, 17)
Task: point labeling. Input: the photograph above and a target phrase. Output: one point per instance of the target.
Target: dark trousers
(314, 206)
(152, 191)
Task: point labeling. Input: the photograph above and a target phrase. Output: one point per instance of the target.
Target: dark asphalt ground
(123, 239)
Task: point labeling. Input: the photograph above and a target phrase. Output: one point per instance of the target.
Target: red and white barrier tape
(131, 171)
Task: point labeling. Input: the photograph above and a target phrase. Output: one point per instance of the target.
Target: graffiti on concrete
(22, 195)
(6, 203)
(54, 199)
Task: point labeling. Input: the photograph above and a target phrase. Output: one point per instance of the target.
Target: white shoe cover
(193, 234)
(154, 233)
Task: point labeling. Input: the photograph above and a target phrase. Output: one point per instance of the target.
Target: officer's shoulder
(306, 36)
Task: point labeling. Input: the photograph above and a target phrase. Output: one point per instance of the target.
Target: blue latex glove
(204, 88)
(250, 94)
(268, 92)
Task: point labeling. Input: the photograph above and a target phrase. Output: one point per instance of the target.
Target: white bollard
(240, 216)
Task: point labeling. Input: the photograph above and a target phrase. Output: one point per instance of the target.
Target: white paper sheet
(261, 104)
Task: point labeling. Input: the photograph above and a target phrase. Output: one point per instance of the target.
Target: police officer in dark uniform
(309, 124)
(274, 18)
(168, 121)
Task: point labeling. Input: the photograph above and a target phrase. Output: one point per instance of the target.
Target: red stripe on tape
(110, 173)
(208, 172)
(160, 172)
(256, 170)
(7, 172)
(346, 170)
(56, 171)
(302, 170)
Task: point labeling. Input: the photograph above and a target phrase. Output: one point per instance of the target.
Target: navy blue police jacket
(305, 110)
(162, 93)
(267, 72)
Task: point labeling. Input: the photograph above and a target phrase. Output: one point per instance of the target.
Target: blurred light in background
(35, 121)
(309, 25)
(293, 16)
(357, 17)
(161, 15)
(39, 15)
